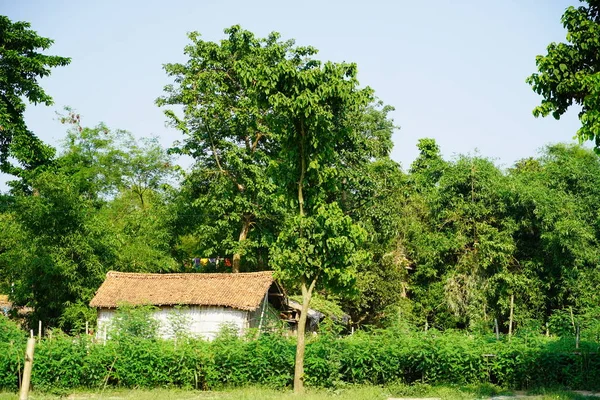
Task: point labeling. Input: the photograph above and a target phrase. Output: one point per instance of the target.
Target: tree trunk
(301, 331)
(237, 257)
(302, 169)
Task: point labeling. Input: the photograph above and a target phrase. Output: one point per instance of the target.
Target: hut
(208, 300)
(5, 304)
(7, 308)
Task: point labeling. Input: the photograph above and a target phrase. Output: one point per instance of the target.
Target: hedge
(66, 362)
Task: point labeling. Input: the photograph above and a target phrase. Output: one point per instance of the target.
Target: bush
(12, 349)
(134, 322)
(10, 331)
(387, 357)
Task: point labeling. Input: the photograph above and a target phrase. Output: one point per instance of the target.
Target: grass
(348, 393)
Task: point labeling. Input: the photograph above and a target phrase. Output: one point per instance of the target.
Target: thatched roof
(243, 291)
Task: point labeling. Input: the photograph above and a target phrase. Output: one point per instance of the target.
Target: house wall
(202, 321)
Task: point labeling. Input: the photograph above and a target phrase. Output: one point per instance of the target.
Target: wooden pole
(87, 328)
(512, 308)
(39, 330)
(573, 320)
(24, 393)
(262, 314)
(497, 329)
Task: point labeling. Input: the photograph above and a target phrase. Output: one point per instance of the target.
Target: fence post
(512, 308)
(497, 329)
(24, 393)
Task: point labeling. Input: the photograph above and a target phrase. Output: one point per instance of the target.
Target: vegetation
(136, 358)
(22, 65)
(568, 73)
(292, 173)
(444, 244)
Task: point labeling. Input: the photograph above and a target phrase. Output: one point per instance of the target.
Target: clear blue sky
(454, 70)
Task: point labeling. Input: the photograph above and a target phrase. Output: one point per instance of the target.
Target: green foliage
(178, 323)
(134, 322)
(383, 358)
(10, 331)
(228, 130)
(330, 307)
(325, 247)
(23, 63)
(102, 205)
(568, 75)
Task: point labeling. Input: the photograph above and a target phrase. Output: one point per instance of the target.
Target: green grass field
(349, 393)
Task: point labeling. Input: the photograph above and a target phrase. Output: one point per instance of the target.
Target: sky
(454, 70)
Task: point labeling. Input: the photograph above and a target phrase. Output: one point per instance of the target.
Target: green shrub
(10, 331)
(12, 349)
(134, 322)
(382, 358)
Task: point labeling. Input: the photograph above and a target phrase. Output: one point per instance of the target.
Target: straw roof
(243, 291)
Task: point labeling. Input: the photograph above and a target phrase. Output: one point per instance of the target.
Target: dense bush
(12, 347)
(66, 362)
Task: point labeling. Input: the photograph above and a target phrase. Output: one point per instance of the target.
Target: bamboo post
(497, 329)
(87, 328)
(24, 393)
(39, 330)
(31, 333)
(573, 320)
(262, 314)
(512, 308)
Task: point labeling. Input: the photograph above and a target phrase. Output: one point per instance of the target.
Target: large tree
(278, 136)
(570, 72)
(227, 130)
(22, 64)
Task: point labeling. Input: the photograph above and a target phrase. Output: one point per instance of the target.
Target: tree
(100, 205)
(62, 257)
(323, 249)
(568, 73)
(227, 131)
(556, 205)
(105, 162)
(21, 66)
(378, 203)
(272, 128)
(315, 104)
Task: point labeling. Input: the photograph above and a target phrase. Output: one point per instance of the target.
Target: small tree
(322, 250)
(316, 106)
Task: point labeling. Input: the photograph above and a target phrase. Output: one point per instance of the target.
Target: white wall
(205, 322)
